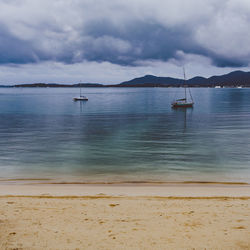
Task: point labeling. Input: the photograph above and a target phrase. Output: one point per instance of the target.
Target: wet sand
(192, 189)
(124, 217)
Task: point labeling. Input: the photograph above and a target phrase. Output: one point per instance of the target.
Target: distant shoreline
(233, 79)
(123, 86)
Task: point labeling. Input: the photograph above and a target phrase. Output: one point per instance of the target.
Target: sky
(111, 41)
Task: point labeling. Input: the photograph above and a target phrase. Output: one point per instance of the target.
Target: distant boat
(81, 97)
(183, 102)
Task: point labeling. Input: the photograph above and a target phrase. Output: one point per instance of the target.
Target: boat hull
(182, 105)
(80, 99)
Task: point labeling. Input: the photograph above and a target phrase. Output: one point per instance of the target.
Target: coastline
(153, 189)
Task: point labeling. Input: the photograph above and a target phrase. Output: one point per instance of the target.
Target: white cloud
(227, 32)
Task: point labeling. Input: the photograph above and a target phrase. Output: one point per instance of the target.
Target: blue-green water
(124, 134)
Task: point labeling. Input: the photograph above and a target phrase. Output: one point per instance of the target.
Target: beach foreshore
(178, 189)
(125, 216)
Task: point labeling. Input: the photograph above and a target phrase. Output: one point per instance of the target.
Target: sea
(124, 135)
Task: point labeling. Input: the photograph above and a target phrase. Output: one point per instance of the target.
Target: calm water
(124, 134)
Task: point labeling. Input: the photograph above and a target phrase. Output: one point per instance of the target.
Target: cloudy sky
(109, 41)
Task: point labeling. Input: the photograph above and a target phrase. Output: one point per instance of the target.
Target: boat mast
(185, 84)
(80, 88)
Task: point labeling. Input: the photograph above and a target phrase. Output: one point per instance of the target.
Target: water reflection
(183, 115)
(125, 134)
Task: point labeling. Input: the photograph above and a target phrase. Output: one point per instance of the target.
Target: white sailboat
(184, 102)
(81, 97)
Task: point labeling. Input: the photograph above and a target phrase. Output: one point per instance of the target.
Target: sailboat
(81, 97)
(183, 102)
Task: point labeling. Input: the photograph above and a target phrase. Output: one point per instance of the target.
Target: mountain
(151, 81)
(233, 79)
(236, 78)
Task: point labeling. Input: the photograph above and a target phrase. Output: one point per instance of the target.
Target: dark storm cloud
(123, 33)
(229, 62)
(142, 41)
(103, 41)
(14, 50)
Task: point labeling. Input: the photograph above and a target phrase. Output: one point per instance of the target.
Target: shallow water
(124, 134)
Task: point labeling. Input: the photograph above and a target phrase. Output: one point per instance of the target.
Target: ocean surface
(124, 135)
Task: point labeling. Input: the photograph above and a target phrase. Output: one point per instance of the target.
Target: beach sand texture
(106, 222)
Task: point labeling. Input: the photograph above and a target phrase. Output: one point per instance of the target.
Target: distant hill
(233, 79)
(5, 86)
(236, 78)
(53, 85)
(151, 80)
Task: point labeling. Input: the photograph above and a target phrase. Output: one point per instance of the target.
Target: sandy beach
(124, 217)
